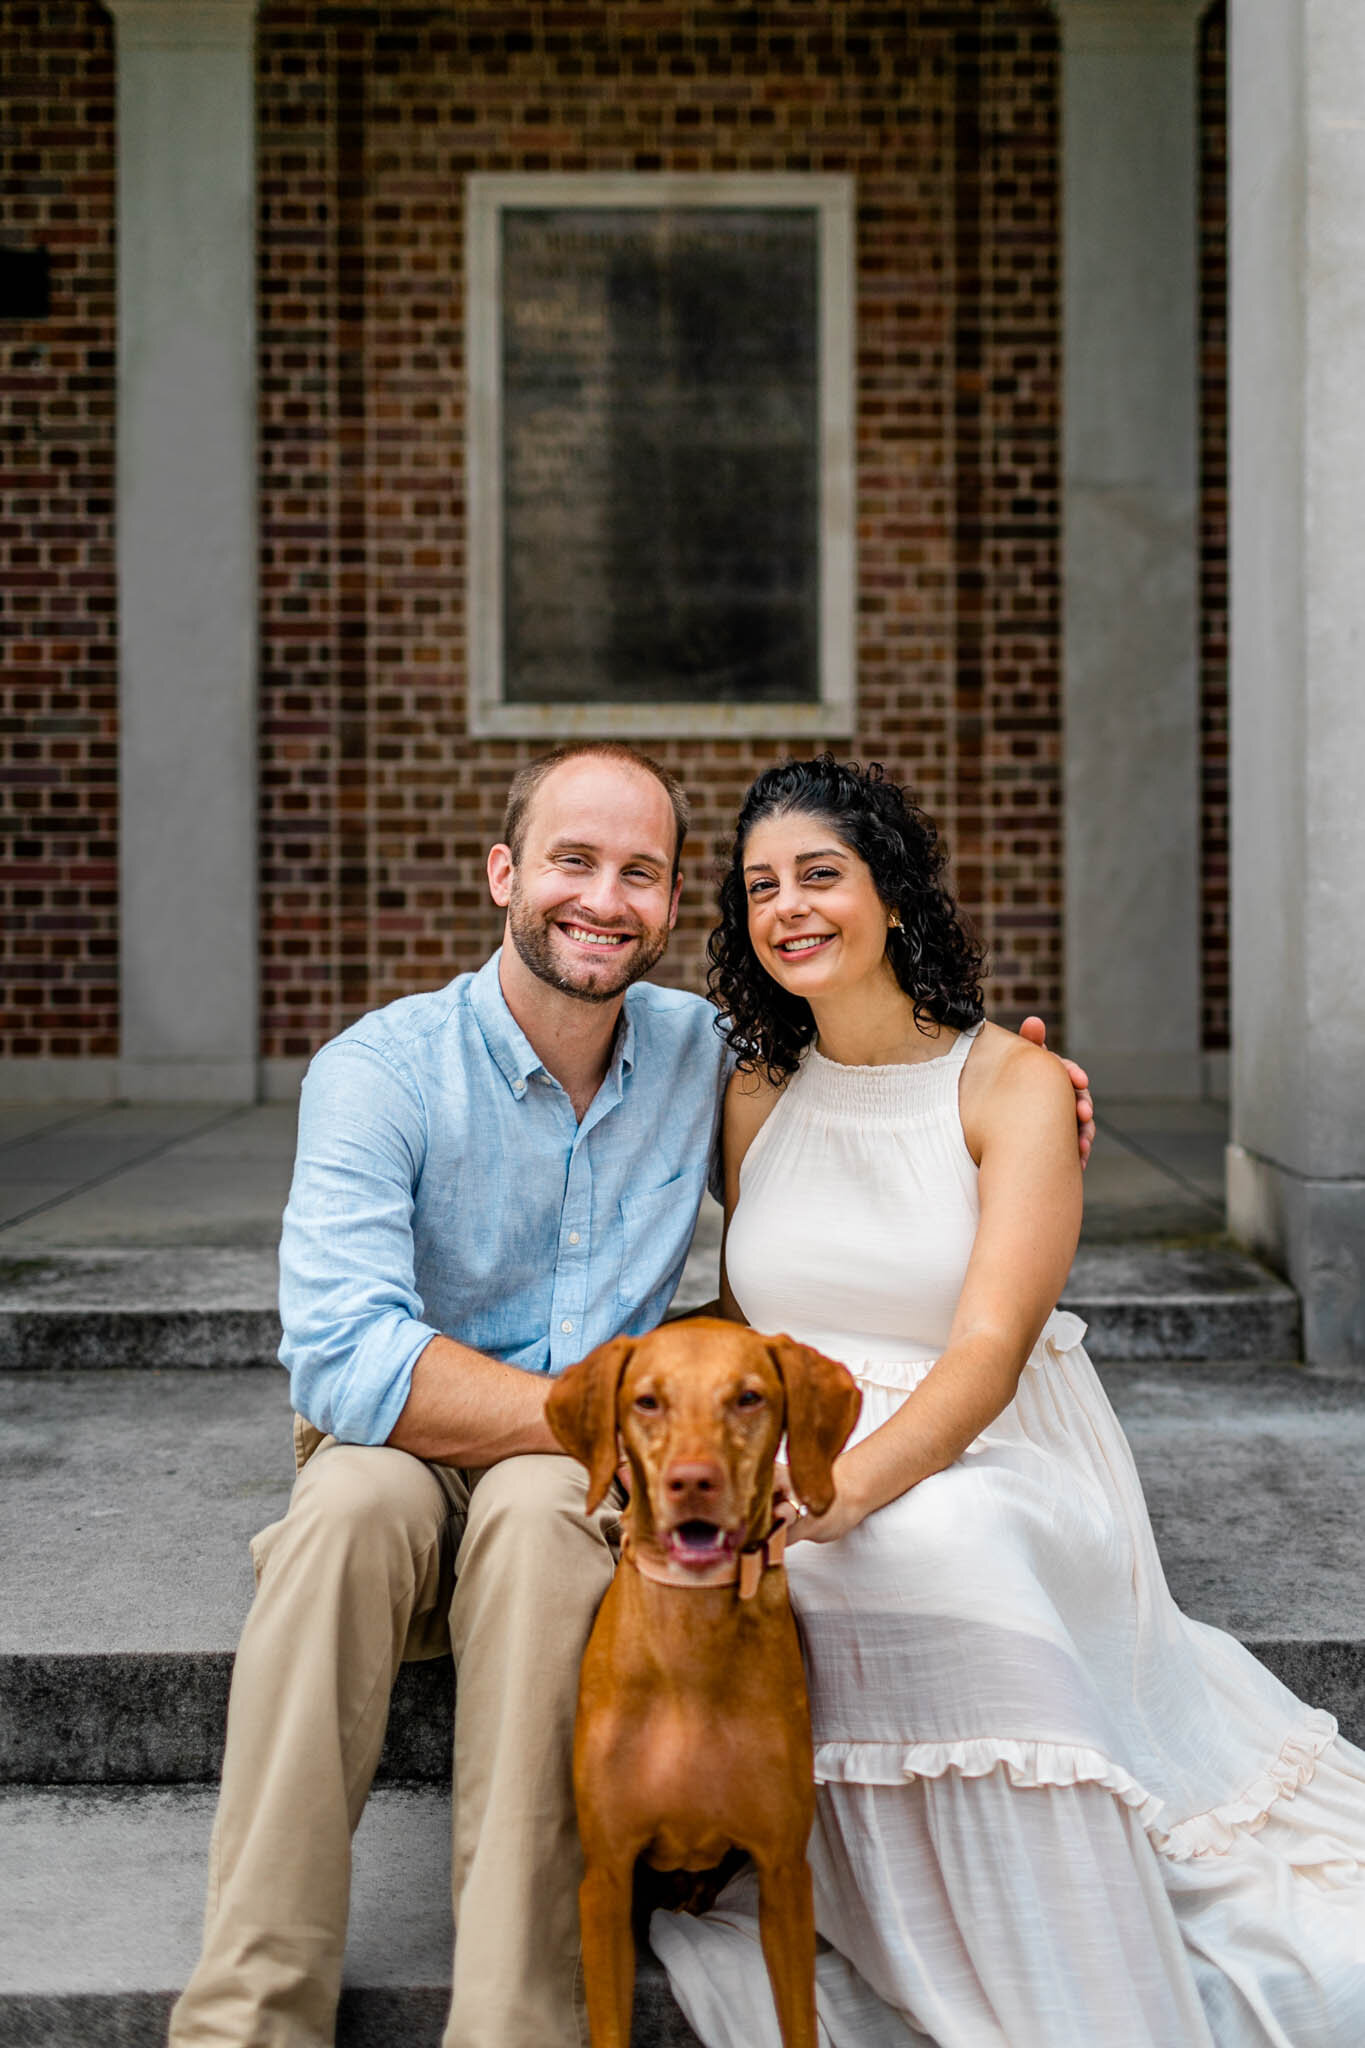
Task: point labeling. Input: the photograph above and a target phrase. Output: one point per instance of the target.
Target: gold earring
(895, 922)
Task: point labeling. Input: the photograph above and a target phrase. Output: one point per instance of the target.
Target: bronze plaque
(661, 455)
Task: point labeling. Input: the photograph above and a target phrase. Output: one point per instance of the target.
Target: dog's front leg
(786, 1925)
(604, 1900)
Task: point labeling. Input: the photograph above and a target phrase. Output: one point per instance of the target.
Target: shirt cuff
(361, 1403)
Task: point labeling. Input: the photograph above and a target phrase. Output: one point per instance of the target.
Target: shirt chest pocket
(656, 1229)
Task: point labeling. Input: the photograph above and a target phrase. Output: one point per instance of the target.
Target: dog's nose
(697, 1478)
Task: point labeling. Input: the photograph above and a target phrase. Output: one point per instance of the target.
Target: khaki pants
(382, 1557)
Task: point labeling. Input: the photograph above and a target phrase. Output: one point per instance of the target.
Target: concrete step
(101, 1894)
(129, 1502)
(1199, 1301)
(77, 1310)
(129, 1498)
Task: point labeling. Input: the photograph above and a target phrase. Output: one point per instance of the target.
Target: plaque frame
(831, 199)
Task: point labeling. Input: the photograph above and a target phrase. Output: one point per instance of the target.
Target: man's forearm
(464, 1408)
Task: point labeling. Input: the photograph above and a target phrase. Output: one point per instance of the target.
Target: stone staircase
(144, 1436)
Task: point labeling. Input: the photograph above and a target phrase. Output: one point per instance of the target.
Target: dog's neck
(744, 1568)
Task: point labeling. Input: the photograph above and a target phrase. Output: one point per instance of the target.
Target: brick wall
(378, 808)
(58, 677)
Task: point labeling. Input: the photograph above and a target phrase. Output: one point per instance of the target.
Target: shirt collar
(623, 1053)
(511, 1050)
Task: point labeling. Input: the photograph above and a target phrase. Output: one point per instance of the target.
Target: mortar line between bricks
(100, 1180)
(1140, 1151)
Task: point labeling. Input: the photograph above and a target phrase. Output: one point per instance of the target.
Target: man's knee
(530, 1574)
(539, 1495)
(528, 1524)
(357, 1503)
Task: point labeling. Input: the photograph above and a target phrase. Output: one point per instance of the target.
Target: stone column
(1296, 1167)
(1130, 551)
(187, 547)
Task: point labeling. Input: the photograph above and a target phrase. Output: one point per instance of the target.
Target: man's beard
(532, 935)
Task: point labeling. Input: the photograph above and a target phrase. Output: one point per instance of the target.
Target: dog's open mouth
(699, 1543)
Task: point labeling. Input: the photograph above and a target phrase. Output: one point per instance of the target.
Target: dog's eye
(749, 1399)
(646, 1401)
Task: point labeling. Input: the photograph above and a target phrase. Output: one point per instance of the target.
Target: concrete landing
(200, 1174)
(101, 1896)
(144, 1174)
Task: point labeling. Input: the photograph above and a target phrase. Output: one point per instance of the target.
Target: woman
(1053, 1812)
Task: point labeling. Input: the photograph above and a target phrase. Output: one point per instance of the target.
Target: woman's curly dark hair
(936, 959)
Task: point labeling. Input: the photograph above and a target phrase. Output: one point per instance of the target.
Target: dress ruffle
(1214, 1832)
(1031, 1764)
(1027, 1764)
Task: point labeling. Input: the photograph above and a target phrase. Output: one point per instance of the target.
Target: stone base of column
(59, 1081)
(1313, 1231)
(149, 1080)
(206, 1080)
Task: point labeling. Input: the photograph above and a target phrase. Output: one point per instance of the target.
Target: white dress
(1053, 1812)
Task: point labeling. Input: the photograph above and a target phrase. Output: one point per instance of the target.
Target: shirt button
(573, 1237)
(567, 1327)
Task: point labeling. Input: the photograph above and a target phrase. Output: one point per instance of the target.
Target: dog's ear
(822, 1407)
(581, 1411)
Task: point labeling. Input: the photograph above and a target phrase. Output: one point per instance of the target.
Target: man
(490, 1181)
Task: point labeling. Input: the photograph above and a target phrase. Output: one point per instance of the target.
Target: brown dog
(693, 1732)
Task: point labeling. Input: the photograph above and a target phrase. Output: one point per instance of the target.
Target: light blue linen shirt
(443, 1185)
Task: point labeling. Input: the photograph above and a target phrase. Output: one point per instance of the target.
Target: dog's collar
(745, 1569)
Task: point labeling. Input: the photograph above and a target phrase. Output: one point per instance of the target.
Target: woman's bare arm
(750, 1100)
(1019, 1117)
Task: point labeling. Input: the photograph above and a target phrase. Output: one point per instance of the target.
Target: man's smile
(584, 937)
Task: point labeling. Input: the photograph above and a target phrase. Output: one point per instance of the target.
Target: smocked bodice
(858, 1209)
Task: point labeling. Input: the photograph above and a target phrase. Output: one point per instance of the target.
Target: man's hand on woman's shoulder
(1035, 1031)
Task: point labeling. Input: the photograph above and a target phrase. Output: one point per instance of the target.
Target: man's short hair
(527, 781)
